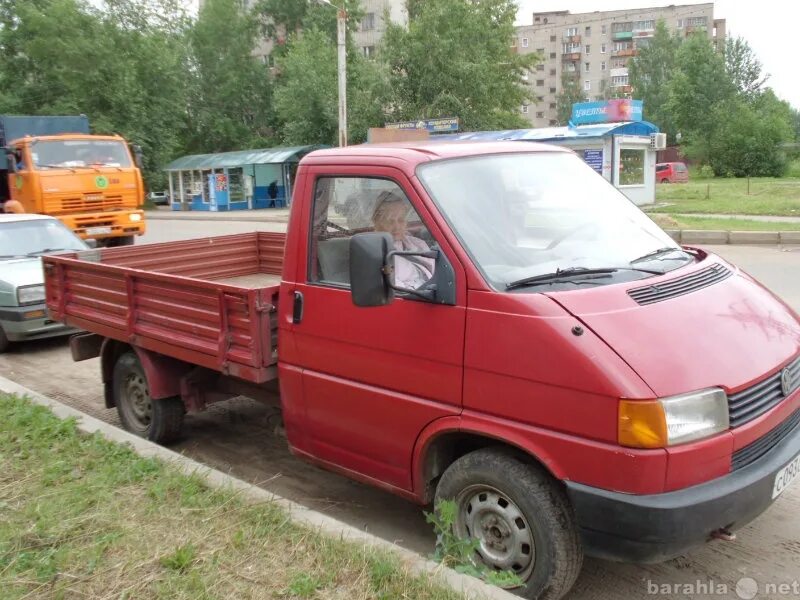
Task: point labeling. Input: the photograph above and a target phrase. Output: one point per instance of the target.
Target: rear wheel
(520, 517)
(665, 180)
(156, 420)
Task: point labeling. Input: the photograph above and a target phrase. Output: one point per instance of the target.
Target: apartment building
(596, 47)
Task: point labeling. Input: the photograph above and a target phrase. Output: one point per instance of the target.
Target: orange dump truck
(93, 183)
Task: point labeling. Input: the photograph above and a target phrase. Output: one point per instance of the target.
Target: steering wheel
(555, 242)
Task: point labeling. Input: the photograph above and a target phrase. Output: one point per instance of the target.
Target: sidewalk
(273, 215)
(762, 218)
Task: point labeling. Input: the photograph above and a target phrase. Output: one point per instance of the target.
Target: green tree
(571, 93)
(306, 94)
(230, 100)
(281, 19)
(455, 59)
(651, 72)
(698, 87)
(750, 136)
(122, 63)
(743, 68)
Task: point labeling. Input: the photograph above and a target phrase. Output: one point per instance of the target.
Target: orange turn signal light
(642, 424)
(34, 314)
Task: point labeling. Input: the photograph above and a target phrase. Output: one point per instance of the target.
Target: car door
(373, 378)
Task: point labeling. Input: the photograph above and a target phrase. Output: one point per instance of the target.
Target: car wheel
(665, 180)
(115, 242)
(4, 343)
(156, 420)
(520, 517)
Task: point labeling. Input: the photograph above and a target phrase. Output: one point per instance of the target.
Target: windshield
(66, 154)
(538, 213)
(33, 238)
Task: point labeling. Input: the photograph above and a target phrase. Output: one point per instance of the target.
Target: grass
(768, 196)
(724, 224)
(86, 518)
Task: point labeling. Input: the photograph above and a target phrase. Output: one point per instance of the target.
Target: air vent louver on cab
(680, 286)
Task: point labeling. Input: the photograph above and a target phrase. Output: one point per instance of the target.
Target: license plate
(98, 230)
(785, 477)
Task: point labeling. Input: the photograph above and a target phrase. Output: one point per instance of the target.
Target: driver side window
(345, 206)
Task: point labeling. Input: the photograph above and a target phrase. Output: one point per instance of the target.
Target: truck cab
(90, 182)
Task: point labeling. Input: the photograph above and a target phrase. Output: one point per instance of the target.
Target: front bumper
(107, 224)
(30, 322)
(657, 527)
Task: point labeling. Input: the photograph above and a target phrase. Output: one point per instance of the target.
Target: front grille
(91, 202)
(753, 402)
(678, 287)
(752, 452)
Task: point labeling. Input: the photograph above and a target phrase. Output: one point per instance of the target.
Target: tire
(513, 500)
(4, 343)
(115, 242)
(665, 181)
(160, 420)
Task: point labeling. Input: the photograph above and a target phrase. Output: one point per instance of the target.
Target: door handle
(297, 309)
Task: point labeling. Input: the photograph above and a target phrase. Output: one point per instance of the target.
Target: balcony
(571, 57)
(622, 35)
(619, 72)
(624, 52)
(572, 39)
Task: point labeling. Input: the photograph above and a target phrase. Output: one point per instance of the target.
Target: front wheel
(114, 242)
(665, 180)
(520, 518)
(159, 420)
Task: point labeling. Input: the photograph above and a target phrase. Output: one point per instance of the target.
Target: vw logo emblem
(786, 382)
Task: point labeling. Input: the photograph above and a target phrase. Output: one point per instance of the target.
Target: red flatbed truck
(523, 340)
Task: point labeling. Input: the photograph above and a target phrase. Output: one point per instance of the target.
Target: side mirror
(137, 156)
(368, 285)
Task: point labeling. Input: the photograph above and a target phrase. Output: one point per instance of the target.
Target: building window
(631, 170)
(603, 48)
(540, 82)
(680, 23)
(540, 115)
(369, 51)
(524, 42)
(540, 51)
(552, 56)
(570, 48)
(571, 67)
(696, 22)
(552, 38)
(525, 109)
(571, 31)
(552, 105)
(552, 72)
(540, 67)
(539, 99)
(587, 67)
(603, 66)
(587, 85)
(603, 29)
(588, 30)
(368, 22)
(619, 80)
(553, 122)
(552, 90)
(588, 48)
(644, 25)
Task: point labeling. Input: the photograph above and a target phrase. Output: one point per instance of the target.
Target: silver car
(24, 239)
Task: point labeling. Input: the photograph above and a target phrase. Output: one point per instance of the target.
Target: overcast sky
(768, 25)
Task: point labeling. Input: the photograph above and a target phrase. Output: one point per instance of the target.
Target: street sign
(442, 125)
(594, 158)
(607, 111)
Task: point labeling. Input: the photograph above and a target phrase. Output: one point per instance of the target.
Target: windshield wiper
(45, 251)
(569, 274)
(659, 252)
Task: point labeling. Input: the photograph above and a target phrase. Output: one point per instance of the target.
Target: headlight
(674, 420)
(135, 217)
(30, 294)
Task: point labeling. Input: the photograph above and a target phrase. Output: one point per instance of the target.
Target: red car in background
(672, 172)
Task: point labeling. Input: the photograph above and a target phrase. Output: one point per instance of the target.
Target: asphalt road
(244, 438)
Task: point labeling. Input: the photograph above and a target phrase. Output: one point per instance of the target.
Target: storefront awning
(239, 158)
(550, 134)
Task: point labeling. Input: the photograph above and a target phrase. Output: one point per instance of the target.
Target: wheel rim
(136, 400)
(505, 538)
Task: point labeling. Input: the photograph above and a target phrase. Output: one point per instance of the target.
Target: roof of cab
(419, 152)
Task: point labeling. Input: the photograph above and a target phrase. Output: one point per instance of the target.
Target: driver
(391, 216)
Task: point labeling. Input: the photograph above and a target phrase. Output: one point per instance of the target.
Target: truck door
(373, 378)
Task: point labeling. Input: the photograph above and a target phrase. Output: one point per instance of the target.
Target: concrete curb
(720, 237)
(469, 587)
(215, 217)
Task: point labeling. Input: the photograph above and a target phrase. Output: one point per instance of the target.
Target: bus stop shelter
(624, 153)
(239, 180)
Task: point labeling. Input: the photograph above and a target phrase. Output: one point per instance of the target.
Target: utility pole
(341, 43)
